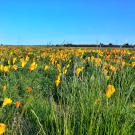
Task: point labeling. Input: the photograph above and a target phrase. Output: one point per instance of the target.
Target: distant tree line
(126, 45)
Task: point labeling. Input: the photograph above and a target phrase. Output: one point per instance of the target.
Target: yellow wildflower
(33, 66)
(133, 64)
(27, 58)
(9, 62)
(68, 65)
(100, 53)
(2, 128)
(123, 63)
(46, 67)
(14, 60)
(1, 67)
(59, 67)
(65, 70)
(92, 58)
(6, 68)
(11, 52)
(88, 58)
(57, 81)
(14, 67)
(6, 101)
(97, 61)
(24, 62)
(79, 70)
(113, 68)
(110, 90)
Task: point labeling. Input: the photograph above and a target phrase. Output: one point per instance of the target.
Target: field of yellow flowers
(67, 91)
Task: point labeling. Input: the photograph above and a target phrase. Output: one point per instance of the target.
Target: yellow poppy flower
(2, 128)
(97, 61)
(14, 67)
(14, 60)
(9, 62)
(79, 70)
(57, 82)
(1, 67)
(27, 58)
(46, 67)
(24, 62)
(6, 68)
(113, 68)
(65, 70)
(133, 64)
(6, 101)
(110, 91)
(59, 67)
(33, 66)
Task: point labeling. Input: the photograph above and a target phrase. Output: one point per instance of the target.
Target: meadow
(67, 91)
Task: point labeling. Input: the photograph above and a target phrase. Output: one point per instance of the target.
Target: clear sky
(68, 21)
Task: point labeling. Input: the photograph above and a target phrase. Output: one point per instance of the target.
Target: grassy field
(67, 91)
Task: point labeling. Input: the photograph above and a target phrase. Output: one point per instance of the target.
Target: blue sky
(68, 21)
